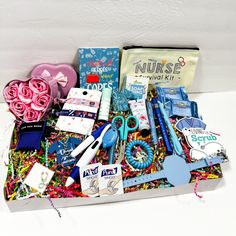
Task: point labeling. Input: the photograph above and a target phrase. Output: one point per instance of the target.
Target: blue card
(99, 68)
(63, 150)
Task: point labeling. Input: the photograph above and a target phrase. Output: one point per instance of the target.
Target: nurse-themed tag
(203, 143)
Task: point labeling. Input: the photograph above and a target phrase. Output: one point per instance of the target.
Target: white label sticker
(110, 180)
(89, 179)
(39, 177)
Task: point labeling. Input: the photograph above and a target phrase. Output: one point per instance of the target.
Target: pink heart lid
(30, 99)
(64, 74)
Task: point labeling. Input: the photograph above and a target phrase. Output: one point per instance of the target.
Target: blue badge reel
(110, 137)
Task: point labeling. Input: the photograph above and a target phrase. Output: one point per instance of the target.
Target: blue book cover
(99, 68)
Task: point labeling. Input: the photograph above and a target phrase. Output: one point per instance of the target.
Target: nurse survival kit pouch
(169, 67)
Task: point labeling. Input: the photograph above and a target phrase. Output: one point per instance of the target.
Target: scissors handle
(122, 127)
(127, 128)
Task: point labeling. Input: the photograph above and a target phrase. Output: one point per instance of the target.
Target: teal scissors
(124, 130)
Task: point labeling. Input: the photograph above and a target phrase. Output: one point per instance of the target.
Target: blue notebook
(99, 68)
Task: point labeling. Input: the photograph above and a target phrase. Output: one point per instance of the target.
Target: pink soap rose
(11, 91)
(40, 102)
(25, 93)
(31, 115)
(17, 107)
(38, 85)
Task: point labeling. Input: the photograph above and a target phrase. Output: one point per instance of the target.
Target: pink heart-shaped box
(30, 99)
(64, 74)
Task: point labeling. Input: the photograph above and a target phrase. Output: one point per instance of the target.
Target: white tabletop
(215, 214)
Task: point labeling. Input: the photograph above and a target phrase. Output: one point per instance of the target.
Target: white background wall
(36, 31)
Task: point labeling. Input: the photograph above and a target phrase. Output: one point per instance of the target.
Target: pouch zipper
(133, 47)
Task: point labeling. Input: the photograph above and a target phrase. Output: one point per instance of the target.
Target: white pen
(88, 155)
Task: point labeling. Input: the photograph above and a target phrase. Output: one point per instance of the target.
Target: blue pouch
(30, 135)
(168, 94)
(182, 108)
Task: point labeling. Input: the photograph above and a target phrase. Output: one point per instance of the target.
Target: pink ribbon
(60, 77)
(82, 102)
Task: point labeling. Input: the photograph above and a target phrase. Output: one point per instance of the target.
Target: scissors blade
(122, 153)
(117, 142)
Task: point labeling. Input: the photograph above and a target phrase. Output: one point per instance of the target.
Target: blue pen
(165, 136)
(152, 124)
(177, 146)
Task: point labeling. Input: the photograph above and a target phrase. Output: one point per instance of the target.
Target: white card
(110, 180)
(198, 138)
(89, 179)
(80, 111)
(203, 143)
(39, 177)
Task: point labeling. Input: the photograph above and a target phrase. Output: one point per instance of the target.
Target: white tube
(82, 146)
(139, 110)
(90, 153)
(105, 104)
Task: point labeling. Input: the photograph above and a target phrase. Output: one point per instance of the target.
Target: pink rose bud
(25, 93)
(17, 107)
(37, 85)
(31, 115)
(11, 92)
(40, 102)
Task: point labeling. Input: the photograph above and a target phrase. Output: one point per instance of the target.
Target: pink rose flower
(11, 91)
(31, 115)
(37, 85)
(17, 107)
(25, 93)
(40, 102)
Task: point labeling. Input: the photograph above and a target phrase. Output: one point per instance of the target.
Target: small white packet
(39, 177)
(138, 85)
(110, 180)
(89, 179)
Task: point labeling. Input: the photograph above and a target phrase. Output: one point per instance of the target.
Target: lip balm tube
(139, 110)
(105, 104)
